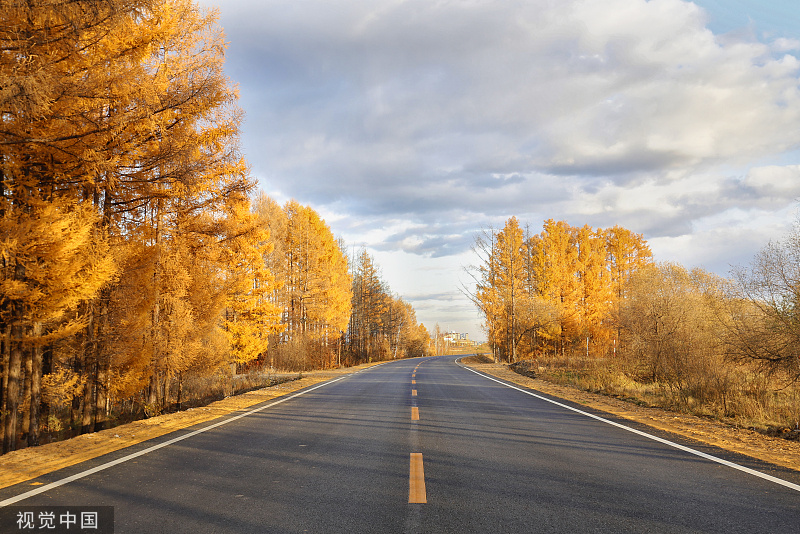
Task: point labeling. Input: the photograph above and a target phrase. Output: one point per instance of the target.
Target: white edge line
(747, 470)
(77, 476)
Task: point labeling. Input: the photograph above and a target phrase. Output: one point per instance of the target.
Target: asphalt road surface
(421, 445)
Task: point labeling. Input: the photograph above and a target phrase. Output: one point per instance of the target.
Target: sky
(411, 125)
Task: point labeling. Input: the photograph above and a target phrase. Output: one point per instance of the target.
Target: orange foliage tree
(124, 217)
(554, 291)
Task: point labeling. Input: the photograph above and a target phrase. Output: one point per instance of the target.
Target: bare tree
(765, 324)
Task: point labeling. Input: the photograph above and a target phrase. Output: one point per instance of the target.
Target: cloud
(433, 241)
(783, 44)
(723, 241)
(420, 121)
(774, 184)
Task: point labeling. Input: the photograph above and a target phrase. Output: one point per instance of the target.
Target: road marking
(78, 476)
(416, 480)
(413, 381)
(414, 413)
(678, 446)
(413, 392)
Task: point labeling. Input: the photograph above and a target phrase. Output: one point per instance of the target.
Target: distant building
(458, 339)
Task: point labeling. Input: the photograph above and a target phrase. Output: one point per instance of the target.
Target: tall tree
(119, 108)
(50, 264)
(486, 296)
(555, 288)
(317, 284)
(510, 282)
(370, 303)
(595, 289)
(555, 262)
(251, 316)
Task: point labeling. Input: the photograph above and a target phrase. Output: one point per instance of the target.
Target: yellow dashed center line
(413, 381)
(413, 392)
(414, 413)
(416, 480)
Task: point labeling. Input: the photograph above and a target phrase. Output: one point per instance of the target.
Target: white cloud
(774, 182)
(725, 240)
(784, 44)
(357, 96)
(417, 122)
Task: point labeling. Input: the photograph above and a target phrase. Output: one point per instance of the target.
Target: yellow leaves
(60, 386)
(627, 253)
(565, 281)
(316, 284)
(125, 231)
(251, 315)
(53, 258)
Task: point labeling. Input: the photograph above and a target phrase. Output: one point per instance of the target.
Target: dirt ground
(26, 464)
(748, 442)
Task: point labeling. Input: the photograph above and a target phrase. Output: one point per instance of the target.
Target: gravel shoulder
(27, 464)
(773, 450)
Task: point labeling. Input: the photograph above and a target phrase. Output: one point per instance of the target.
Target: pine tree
(370, 302)
(121, 108)
(51, 262)
(554, 264)
(251, 316)
(595, 287)
(510, 281)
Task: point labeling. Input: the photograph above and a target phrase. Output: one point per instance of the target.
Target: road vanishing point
(423, 445)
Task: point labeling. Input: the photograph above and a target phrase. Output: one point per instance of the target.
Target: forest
(592, 308)
(141, 270)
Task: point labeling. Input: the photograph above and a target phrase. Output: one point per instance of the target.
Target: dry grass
(733, 394)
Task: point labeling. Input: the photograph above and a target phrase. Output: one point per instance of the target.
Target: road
(421, 445)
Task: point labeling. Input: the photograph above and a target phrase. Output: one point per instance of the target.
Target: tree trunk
(36, 389)
(47, 368)
(165, 391)
(4, 382)
(103, 361)
(89, 373)
(101, 395)
(180, 390)
(75, 412)
(27, 365)
(12, 390)
(155, 338)
(101, 356)
(88, 397)
(14, 368)
(152, 393)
